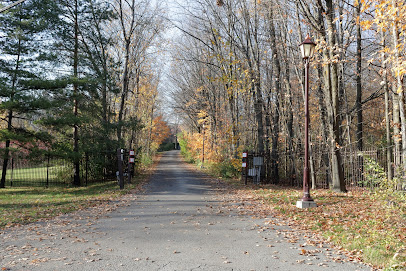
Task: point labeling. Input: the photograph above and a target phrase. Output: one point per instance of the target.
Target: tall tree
(327, 33)
(22, 86)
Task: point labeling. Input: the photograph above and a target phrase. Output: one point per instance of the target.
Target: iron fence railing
(360, 167)
(53, 171)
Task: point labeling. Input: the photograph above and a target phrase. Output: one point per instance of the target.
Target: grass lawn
(359, 223)
(25, 205)
(34, 174)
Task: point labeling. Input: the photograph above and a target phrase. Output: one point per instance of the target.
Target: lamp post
(307, 49)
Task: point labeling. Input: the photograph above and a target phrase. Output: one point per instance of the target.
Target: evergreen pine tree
(24, 89)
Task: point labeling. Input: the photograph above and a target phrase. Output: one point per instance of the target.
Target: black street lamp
(307, 49)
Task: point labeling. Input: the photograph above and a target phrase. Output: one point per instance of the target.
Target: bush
(225, 169)
(383, 188)
(166, 147)
(374, 174)
(146, 160)
(184, 149)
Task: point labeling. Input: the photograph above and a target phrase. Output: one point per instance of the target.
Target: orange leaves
(353, 222)
(366, 24)
(160, 130)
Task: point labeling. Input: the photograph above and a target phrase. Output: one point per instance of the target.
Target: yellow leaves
(366, 24)
(202, 115)
(160, 130)
(199, 89)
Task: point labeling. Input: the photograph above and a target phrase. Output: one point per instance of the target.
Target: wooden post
(120, 169)
(129, 172)
(87, 167)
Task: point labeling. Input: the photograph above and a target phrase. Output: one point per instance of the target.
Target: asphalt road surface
(178, 224)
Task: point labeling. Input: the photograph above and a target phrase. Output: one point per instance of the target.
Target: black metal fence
(52, 171)
(360, 168)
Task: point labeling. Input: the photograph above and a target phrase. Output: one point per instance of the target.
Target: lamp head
(307, 47)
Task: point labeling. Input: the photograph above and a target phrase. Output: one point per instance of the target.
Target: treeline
(80, 76)
(239, 81)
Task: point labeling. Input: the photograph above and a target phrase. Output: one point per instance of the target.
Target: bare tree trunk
(358, 101)
(396, 126)
(277, 83)
(124, 90)
(399, 89)
(10, 116)
(387, 119)
(76, 162)
(337, 173)
(258, 105)
(324, 129)
(128, 28)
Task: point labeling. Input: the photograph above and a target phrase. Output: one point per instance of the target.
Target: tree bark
(127, 36)
(396, 126)
(10, 116)
(337, 172)
(358, 102)
(277, 83)
(399, 88)
(76, 159)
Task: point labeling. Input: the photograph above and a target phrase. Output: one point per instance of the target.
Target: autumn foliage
(159, 131)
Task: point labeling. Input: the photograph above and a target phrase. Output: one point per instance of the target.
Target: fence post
(129, 173)
(120, 168)
(12, 171)
(86, 167)
(47, 170)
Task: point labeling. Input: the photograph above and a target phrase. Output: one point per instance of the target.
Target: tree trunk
(6, 156)
(337, 173)
(258, 105)
(387, 119)
(76, 161)
(324, 128)
(396, 126)
(399, 88)
(277, 83)
(124, 90)
(10, 115)
(358, 102)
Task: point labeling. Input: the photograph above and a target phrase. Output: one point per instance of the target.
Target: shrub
(225, 169)
(184, 149)
(166, 147)
(374, 174)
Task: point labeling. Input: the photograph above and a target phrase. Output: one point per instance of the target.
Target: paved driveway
(176, 225)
